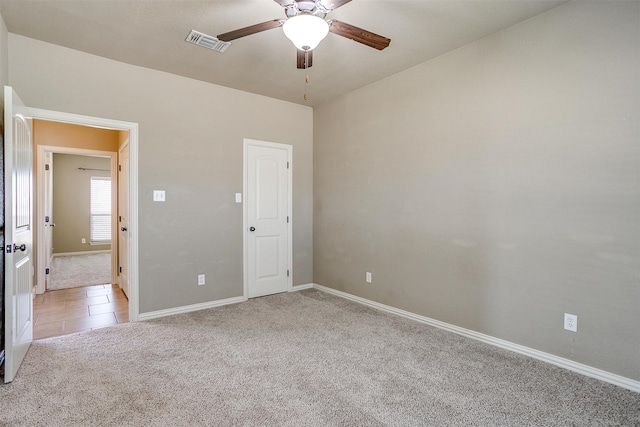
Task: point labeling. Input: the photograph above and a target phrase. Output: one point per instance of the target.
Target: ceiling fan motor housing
(305, 7)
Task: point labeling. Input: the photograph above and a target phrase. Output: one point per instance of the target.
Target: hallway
(68, 311)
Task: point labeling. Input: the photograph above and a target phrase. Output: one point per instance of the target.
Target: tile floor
(78, 309)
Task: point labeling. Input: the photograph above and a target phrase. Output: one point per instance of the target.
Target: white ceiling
(151, 33)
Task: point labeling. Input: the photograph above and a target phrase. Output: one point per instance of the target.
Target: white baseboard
(203, 306)
(589, 371)
(301, 287)
(189, 308)
(102, 251)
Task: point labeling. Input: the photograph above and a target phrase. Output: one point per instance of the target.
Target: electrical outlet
(571, 322)
(368, 277)
(200, 279)
(84, 240)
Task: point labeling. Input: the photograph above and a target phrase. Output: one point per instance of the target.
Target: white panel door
(267, 198)
(18, 170)
(123, 217)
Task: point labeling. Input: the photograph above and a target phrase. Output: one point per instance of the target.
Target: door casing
(245, 225)
(41, 261)
(132, 128)
(44, 248)
(122, 224)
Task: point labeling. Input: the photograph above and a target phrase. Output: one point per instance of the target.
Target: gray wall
(497, 187)
(72, 201)
(190, 136)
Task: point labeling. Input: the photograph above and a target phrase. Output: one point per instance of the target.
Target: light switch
(238, 197)
(158, 196)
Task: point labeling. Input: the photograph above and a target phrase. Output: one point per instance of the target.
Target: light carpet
(73, 271)
(298, 359)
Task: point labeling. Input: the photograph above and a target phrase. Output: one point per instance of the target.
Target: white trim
(79, 119)
(245, 254)
(589, 371)
(245, 213)
(81, 253)
(301, 287)
(119, 212)
(39, 279)
(189, 308)
(132, 128)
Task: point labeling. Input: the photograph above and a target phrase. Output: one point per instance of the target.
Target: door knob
(123, 228)
(252, 229)
(17, 248)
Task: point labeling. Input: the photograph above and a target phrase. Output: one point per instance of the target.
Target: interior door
(48, 214)
(18, 169)
(267, 198)
(123, 219)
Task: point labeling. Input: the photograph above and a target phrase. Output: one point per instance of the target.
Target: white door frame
(132, 128)
(245, 210)
(41, 262)
(122, 234)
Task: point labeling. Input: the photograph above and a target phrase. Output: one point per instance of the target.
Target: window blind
(100, 209)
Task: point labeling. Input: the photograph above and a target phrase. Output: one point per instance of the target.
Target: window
(100, 210)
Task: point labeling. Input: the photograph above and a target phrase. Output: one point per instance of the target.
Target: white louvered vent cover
(209, 42)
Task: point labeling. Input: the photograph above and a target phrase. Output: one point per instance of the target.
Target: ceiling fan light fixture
(306, 31)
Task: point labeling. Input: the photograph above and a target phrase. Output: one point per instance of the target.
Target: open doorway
(78, 216)
(21, 221)
(77, 236)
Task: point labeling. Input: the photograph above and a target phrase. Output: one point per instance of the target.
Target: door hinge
(46, 167)
(287, 165)
(46, 270)
(120, 269)
(287, 219)
(287, 273)
(119, 218)
(119, 168)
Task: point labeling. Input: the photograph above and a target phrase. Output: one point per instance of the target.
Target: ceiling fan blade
(358, 34)
(247, 31)
(304, 59)
(284, 3)
(332, 4)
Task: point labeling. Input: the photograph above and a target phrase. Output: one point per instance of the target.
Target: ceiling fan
(306, 26)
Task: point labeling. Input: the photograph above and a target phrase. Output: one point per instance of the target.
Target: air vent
(209, 42)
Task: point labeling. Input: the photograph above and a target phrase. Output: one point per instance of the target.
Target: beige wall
(497, 187)
(65, 135)
(123, 138)
(72, 201)
(190, 145)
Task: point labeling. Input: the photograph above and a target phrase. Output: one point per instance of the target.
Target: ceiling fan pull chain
(306, 84)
